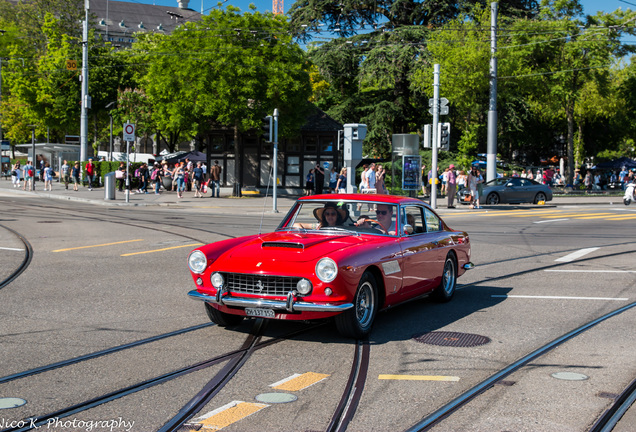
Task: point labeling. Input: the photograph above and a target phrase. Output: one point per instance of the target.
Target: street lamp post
(110, 150)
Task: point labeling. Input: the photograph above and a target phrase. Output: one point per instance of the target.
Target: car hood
(291, 247)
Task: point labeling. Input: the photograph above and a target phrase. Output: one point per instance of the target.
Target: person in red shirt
(90, 173)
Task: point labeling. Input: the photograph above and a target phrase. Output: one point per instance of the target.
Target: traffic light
(340, 139)
(267, 128)
(443, 133)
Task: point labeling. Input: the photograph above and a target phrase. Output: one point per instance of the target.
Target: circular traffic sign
(129, 128)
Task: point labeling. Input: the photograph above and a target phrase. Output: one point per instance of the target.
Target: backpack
(153, 176)
(30, 173)
(137, 174)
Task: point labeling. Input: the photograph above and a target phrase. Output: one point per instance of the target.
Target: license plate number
(267, 313)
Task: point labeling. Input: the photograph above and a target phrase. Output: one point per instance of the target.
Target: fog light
(199, 281)
(328, 291)
(303, 286)
(217, 280)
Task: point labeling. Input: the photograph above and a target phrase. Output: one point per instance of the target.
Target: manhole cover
(452, 339)
(276, 397)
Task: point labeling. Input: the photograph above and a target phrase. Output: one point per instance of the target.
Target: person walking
(48, 176)
(341, 184)
(15, 175)
(143, 178)
(76, 173)
(197, 177)
(371, 177)
(156, 177)
(451, 186)
(65, 172)
(179, 175)
(29, 180)
(474, 178)
(380, 186)
(333, 179)
(90, 173)
(215, 177)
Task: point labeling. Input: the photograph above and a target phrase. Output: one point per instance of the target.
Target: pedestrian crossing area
(553, 214)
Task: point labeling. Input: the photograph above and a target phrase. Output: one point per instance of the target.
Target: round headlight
(197, 261)
(217, 280)
(303, 287)
(326, 269)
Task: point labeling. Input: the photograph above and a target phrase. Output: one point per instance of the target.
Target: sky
(590, 7)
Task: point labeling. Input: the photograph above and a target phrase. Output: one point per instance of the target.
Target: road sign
(129, 132)
(443, 106)
(71, 64)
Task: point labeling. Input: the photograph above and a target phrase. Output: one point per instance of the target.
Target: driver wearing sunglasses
(384, 215)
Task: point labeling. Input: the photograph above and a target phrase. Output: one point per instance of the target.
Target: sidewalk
(284, 201)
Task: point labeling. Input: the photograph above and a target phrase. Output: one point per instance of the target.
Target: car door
(513, 192)
(419, 240)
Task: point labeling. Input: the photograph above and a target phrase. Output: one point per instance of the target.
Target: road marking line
(617, 218)
(552, 220)
(559, 297)
(576, 255)
(581, 215)
(298, 382)
(418, 378)
(13, 249)
(161, 250)
(599, 216)
(228, 414)
(593, 271)
(99, 245)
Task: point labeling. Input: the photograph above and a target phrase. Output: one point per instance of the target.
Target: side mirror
(408, 229)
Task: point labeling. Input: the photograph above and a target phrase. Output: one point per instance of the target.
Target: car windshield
(343, 216)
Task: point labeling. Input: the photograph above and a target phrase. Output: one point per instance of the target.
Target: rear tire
(446, 289)
(539, 197)
(222, 319)
(627, 201)
(357, 322)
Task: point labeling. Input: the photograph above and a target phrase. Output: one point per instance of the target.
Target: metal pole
(491, 153)
(84, 116)
(275, 132)
(127, 169)
(110, 150)
(1, 93)
(435, 137)
(33, 162)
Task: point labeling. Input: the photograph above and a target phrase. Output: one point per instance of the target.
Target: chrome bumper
(223, 298)
(468, 266)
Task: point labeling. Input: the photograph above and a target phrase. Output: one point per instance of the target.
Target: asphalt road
(102, 276)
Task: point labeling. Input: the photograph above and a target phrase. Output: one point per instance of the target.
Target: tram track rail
(26, 261)
(348, 404)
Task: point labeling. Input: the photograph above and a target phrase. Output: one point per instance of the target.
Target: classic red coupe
(344, 256)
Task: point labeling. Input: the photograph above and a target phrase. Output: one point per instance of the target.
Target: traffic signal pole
(275, 168)
(84, 116)
(491, 153)
(435, 139)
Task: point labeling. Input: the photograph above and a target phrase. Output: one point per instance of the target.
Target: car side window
(412, 215)
(515, 182)
(433, 223)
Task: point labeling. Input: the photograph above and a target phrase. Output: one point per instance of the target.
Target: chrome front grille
(259, 284)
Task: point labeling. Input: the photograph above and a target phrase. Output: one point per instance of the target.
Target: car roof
(377, 198)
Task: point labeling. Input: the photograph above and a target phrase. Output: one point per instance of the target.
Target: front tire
(446, 289)
(627, 201)
(357, 322)
(492, 199)
(222, 319)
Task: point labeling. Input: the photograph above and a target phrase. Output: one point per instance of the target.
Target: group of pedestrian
(371, 180)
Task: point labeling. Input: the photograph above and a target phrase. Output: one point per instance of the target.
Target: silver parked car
(511, 190)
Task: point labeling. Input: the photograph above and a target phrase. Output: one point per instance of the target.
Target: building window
(216, 143)
(293, 165)
(294, 145)
(326, 144)
(311, 145)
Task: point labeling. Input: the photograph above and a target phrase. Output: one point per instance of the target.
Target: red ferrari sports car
(344, 256)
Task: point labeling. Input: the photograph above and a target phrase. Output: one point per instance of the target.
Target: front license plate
(267, 313)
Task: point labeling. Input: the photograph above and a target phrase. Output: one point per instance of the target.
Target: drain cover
(452, 339)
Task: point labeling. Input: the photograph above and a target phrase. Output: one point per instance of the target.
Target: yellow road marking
(579, 215)
(621, 217)
(418, 377)
(161, 250)
(594, 216)
(99, 245)
(228, 414)
(298, 382)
